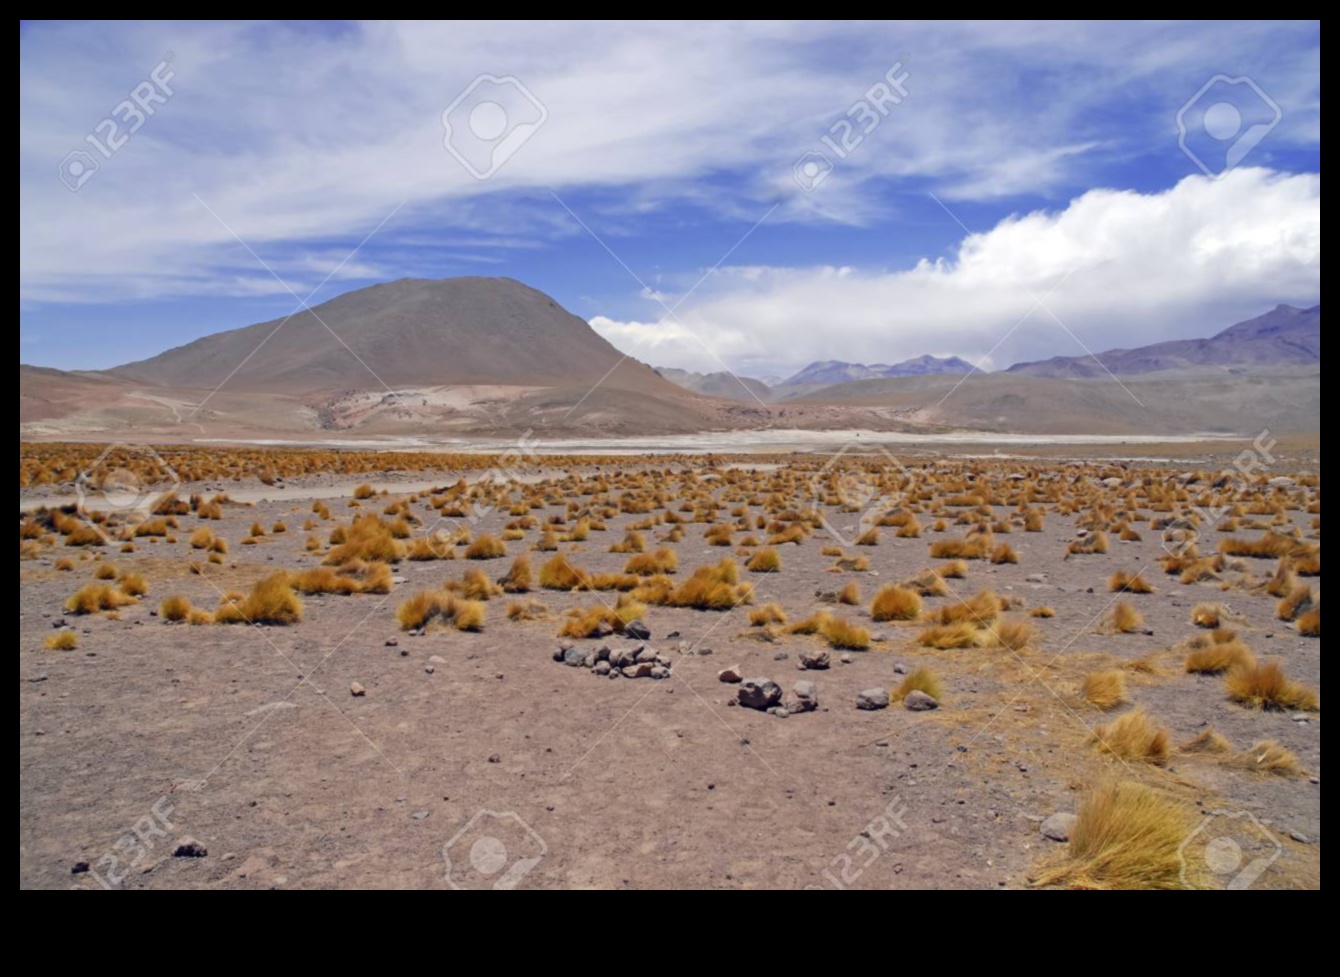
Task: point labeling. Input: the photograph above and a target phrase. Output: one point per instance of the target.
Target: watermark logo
(1223, 122)
(493, 850)
(489, 122)
(1227, 850)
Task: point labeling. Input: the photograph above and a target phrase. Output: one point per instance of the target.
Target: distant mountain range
(829, 372)
(492, 356)
(1284, 336)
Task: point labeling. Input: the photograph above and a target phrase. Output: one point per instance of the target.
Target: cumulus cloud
(1111, 269)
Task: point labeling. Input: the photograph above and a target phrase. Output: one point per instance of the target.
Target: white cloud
(1127, 269)
(301, 136)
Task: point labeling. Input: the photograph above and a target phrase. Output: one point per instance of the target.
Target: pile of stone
(627, 661)
(766, 695)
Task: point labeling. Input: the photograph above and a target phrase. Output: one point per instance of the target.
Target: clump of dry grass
(1124, 619)
(64, 564)
(765, 561)
(1215, 658)
(272, 600)
(519, 578)
(767, 614)
(62, 641)
(1094, 543)
(1105, 690)
(1265, 686)
(528, 610)
(1123, 582)
(105, 571)
(474, 585)
(425, 606)
(850, 595)
(367, 538)
(557, 573)
(1207, 741)
(1042, 612)
(869, 538)
(1004, 553)
(711, 588)
(814, 624)
(133, 584)
(949, 636)
(920, 679)
(633, 542)
(1309, 625)
(1127, 837)
(895, 603)
(663, 560)
(1269, 757)
(1269, 547)
(1208, 615)
(174, 608)
(95, 597)
(972, 548)
(980, 610)
(1013, 635)
(486, 547)
(846, 636)
(1298, 602)
(1134, 737)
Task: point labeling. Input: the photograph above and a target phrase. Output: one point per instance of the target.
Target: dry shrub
(1207, 741)
(1123, 582)
(949, 636)
(1309, 625)
(1013, 635)
(133, 584)
(486, 547)
(1269, 547)
(368, 538)
(1216, 658)
(95, 597)
(1134, 737)
(1042, 612)
(272, 600)
(972, 548)
(558, 574)
(767, 614)
(1265, 686)
(660, 561)
(895, 603)
(1105, 690)
(1268, 757)
(850, 595)
(62, 641)
(528, 610)
(814, 624)
(1297, 603)
(174, 608)
(846, 636)
(1208, 615)
(519, 579)
(765, 561)
(1124, 619)
(1004, 553)
(1127, 837)
(979, 611)
(920, 679)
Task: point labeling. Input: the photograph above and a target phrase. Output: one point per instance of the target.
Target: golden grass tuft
(1298, 602)
(529, 610)
(1105, 690)
(1124, 619)
(133, 584)
(814, 624)
(62, 641)
(1207, 741)
(520, 577)
(1265, 686)
(1013, 635)
(95, 597)
(920, 679)
(663, 560)
(1208, 616)
(979, 611)
(1216, 658)
(105, 571)
(272, 600)
(846, 636)
(1004, 553)
(944, 637)
(1127, 837)
(1123, 582)
(895, 603)
(850, 595)
(1042, 612)
(1269, 757)
(1134, 737)
(765, 561)
(1309, 625)
(767, 614)
(486, 547)
(557, 573)
(366, 538)
(174, 608)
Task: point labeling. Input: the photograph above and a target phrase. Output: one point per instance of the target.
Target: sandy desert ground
(341, 744)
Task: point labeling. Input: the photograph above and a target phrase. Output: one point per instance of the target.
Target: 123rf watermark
(153, 832)
(845, 135)
(125, 119)
(871, 842)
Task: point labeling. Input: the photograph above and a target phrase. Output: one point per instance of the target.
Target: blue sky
(1028, 197)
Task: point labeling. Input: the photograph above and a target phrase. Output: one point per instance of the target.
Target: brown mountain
(1283, 337)
(407, 333)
